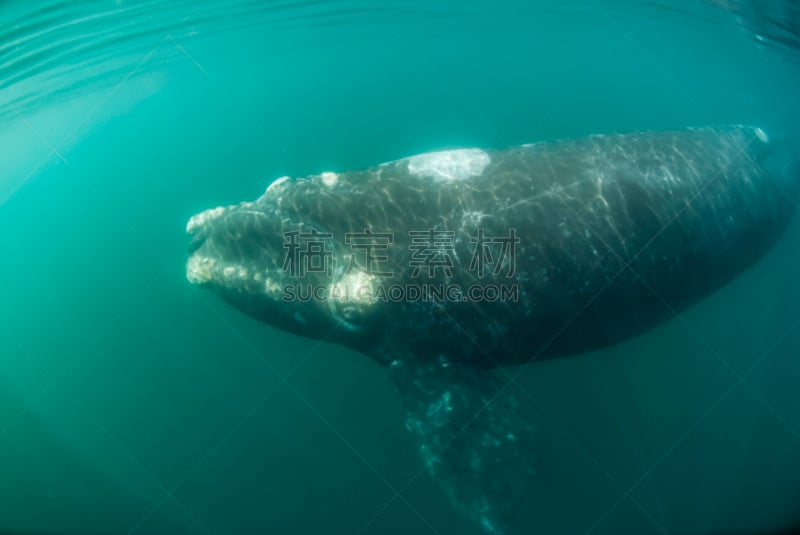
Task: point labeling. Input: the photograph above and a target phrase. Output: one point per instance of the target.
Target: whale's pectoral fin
(472, 434)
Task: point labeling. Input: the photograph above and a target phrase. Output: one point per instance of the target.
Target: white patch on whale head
(272, 287)
(199, 269)
(449, 165)
(329, 179)
(274, 186)
(351, 298)
(760, 134)
(356, 287)
(198, 220)
(275, 183)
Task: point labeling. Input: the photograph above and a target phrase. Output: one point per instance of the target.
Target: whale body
(450, 265)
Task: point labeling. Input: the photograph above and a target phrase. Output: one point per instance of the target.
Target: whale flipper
(472, 435)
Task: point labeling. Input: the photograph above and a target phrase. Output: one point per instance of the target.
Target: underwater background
(131, 402)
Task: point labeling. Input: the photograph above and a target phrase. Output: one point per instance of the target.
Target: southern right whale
(448, 266)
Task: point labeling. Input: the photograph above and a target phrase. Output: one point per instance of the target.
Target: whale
(453, 267)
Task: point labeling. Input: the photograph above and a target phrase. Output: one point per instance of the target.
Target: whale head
(271, 260)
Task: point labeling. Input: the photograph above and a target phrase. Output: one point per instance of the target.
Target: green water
(131, 402)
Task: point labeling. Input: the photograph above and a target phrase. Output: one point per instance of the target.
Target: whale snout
(200, 270)
(234, 249)
(201, 263)
(197, 240)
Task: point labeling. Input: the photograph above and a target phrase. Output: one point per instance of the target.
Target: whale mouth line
(198, 239)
